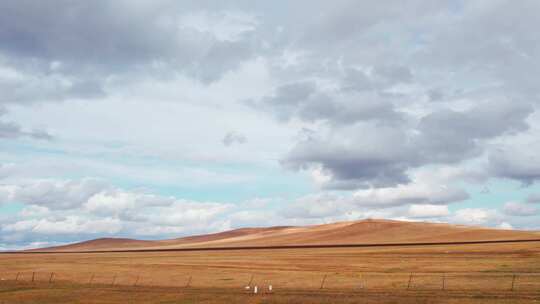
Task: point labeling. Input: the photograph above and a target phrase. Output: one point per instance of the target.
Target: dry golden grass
(70, 293)
(472, 274)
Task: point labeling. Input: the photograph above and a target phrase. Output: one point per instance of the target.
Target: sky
(159, 119)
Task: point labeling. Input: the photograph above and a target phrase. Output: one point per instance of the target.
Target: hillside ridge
(370, 231)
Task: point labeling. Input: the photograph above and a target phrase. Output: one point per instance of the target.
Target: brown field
(472, 273)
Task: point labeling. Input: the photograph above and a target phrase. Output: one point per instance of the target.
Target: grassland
(432, 274)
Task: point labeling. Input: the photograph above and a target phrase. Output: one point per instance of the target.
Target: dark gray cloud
(374, 155)
(287, 99)
(64, 49)
(11, 130)
(346, 22)
(234, 138)
(356, 101)
(522, 165)
(533, 198)
(460, 57)
(393, 74)
(449, 136)
(362, 156)
(442, 134)
(33, 86)
(99, 34)
(56, 194)
(435, 95)
(354, 77)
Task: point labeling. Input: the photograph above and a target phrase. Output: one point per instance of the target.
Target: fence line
(511, 282)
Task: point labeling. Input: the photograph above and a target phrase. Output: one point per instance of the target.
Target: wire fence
(511, 282)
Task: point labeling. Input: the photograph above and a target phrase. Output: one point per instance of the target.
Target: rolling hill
(354, 232)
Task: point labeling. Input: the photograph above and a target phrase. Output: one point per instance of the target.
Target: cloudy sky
(157, 119)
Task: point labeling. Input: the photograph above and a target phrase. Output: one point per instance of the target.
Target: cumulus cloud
(456, 130)
(381, 155)
(100, 199)
(76, 209)
(428, 195)
(360, 156)
(425, 199)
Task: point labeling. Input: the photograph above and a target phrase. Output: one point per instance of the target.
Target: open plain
(465, 273)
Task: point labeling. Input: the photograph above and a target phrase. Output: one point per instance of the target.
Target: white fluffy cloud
(506, 226)
(409, 194)
(56, 194)
(475, 216)
(116, 202)
(428, 211)
(68, 225)
(431, 186)
(75, 209)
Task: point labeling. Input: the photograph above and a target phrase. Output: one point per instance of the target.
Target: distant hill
(354, 232)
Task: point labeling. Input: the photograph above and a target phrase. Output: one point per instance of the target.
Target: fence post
(513, 282)
(322, 282)
(410, 280)
(443, 281)
(51, 277)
